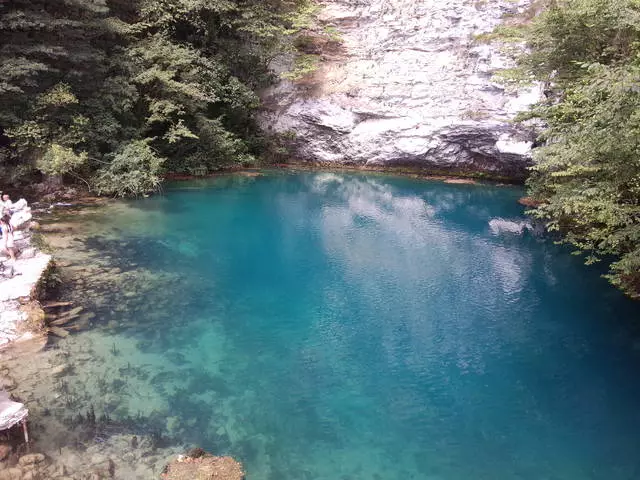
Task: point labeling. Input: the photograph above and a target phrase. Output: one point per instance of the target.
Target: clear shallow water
(324, 326)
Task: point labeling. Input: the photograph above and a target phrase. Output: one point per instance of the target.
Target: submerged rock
(500, 225)
(31, 459)
(407, 85)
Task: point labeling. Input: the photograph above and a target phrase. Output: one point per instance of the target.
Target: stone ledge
(14, 292)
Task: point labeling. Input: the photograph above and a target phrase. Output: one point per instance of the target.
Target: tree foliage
(116, 92)
(587, 173)
(134, 168)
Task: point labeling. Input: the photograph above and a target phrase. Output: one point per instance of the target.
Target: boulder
(32, 459)
(28, 253)
(21, 218)
(60, 370)
(58, 331)
(204, 467)
(31, 475)
(500, 226)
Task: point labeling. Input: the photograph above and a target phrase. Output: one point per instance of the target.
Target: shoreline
(35, 371)
(19, 295)
(451, 177)
(424, 173)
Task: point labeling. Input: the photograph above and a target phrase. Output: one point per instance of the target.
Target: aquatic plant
(62, 386)
(39, 241)
(70, 400)
(117, 385)
(157, 439)
(49, 282)
(104, 418)
(102, 384)
(91, 416)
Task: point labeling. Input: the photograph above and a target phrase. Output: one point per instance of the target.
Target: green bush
(84, 79)
(134, 170)
(587, 171)
(58, 160)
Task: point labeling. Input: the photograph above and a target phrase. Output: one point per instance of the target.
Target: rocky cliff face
(409, 85)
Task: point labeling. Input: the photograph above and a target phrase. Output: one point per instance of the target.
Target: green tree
(133, 170)
(587, 173)
(55, 59)
(86, 85)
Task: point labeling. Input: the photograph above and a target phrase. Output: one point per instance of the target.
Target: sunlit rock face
(409, 86)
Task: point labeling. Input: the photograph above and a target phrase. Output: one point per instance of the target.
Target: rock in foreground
(203, 467)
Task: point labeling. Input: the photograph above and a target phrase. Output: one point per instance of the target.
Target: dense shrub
(587, 171)
(87, 85)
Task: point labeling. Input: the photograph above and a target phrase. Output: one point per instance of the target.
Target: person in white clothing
(7, 237)
(6, 204)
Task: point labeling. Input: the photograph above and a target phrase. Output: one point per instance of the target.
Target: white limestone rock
(499, 226)
(21, 218)
(28, 272)
(410, 86)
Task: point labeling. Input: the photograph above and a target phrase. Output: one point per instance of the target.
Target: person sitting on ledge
(6, 205)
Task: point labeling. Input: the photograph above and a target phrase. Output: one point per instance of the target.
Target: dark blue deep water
(324, 326)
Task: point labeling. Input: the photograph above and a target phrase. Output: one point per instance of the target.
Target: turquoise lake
(329, 326)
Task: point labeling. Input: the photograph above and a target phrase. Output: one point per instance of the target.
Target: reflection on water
(325, 326)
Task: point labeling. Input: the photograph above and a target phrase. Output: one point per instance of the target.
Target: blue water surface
(341, 326)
